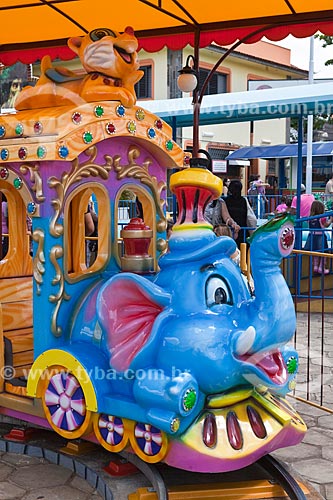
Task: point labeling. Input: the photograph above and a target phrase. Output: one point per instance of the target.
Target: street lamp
(187, 80)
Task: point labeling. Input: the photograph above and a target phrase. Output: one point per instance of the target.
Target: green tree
(327, 41)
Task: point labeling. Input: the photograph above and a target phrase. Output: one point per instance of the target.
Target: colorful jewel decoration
(17, 183)
(189, 399)
(99, 111)
(292, 364)
(76, 118)
(140, 114)
(110, 128)
(19, 129)
(63, 151)
(2, 131)
(4, 173)
(131, 127)
(41, 152)
(120, 110)
(31, 208)
(38, 128)
(22, 153)
(151, 132)
(87, 137)
(169, 145)
(159, 124)
(4, 154)
(175, 424)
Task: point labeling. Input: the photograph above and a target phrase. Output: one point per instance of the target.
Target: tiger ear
(75, 43)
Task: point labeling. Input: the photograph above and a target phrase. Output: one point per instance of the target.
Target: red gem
(186, 160)
(22, 153)
(38, 127)
(209, 433)
(76, 117)
(234, 431)
(3, 173)
(94, 76)
(158, 124)
(106, 81)
(110, 128)
(256, 422)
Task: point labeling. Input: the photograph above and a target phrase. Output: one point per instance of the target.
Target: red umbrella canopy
(33, 28)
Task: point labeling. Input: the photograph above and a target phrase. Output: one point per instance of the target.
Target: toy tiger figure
(112, 69)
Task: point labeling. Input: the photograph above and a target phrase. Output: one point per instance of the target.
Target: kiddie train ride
(158, 348)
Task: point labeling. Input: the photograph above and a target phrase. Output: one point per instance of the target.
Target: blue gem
(2, 131)
(63, 151)
(151, 132)
(4, 154)
(31, 208)
(120, 110)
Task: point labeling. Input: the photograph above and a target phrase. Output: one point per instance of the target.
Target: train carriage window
(87, 242)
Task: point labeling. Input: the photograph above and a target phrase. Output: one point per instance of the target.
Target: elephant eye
(217, 291)
(99, 33)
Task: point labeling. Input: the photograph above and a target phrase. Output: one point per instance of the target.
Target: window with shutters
(217, 84)
(143, 88)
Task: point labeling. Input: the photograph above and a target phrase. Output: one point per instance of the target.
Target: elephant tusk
(245, 341)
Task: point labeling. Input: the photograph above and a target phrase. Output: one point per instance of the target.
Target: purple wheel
(149, 442)
(111, 432)
(65, 405)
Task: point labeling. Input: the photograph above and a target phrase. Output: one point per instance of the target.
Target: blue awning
(281, 151)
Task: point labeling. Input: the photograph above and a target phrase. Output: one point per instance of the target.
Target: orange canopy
(32, 28)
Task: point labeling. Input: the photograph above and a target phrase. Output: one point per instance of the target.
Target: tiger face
(107, 52)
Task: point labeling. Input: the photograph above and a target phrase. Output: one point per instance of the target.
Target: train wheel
(64, 404)
(111, 432)
(149, 442)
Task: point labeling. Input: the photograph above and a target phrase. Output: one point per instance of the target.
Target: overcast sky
(300, 53)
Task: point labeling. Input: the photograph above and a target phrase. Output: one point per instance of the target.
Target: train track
(279, 484)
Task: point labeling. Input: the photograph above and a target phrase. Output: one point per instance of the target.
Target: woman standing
(240, 210)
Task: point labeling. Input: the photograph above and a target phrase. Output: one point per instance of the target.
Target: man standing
(306, 202)
(329, 188)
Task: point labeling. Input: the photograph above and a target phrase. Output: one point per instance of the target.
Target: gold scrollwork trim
(39, 259)
(35, 178)
(55, 254)
(77, 173)
(141, 172)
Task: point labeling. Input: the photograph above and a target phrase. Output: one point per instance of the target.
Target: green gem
(99, 111)
(17, 183)
(19, 129)
(169, 145)
(292, 365)
(41, 151)
(189, 399)
(87, 137)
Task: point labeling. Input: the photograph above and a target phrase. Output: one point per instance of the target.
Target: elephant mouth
(271, 364)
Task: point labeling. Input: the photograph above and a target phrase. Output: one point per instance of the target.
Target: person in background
(260, 185)
(329, 188)
(317, 239)
(91, 229)
(216, 213)
(240, 210)
(306, 202)
(226, 183)
(284, 205)
(224, 230)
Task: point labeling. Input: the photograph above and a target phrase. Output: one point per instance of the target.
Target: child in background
(284, 205)
(317, 240)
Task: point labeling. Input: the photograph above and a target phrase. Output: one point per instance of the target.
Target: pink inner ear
(127, 315)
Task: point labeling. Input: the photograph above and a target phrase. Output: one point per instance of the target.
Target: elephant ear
(127, 306)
